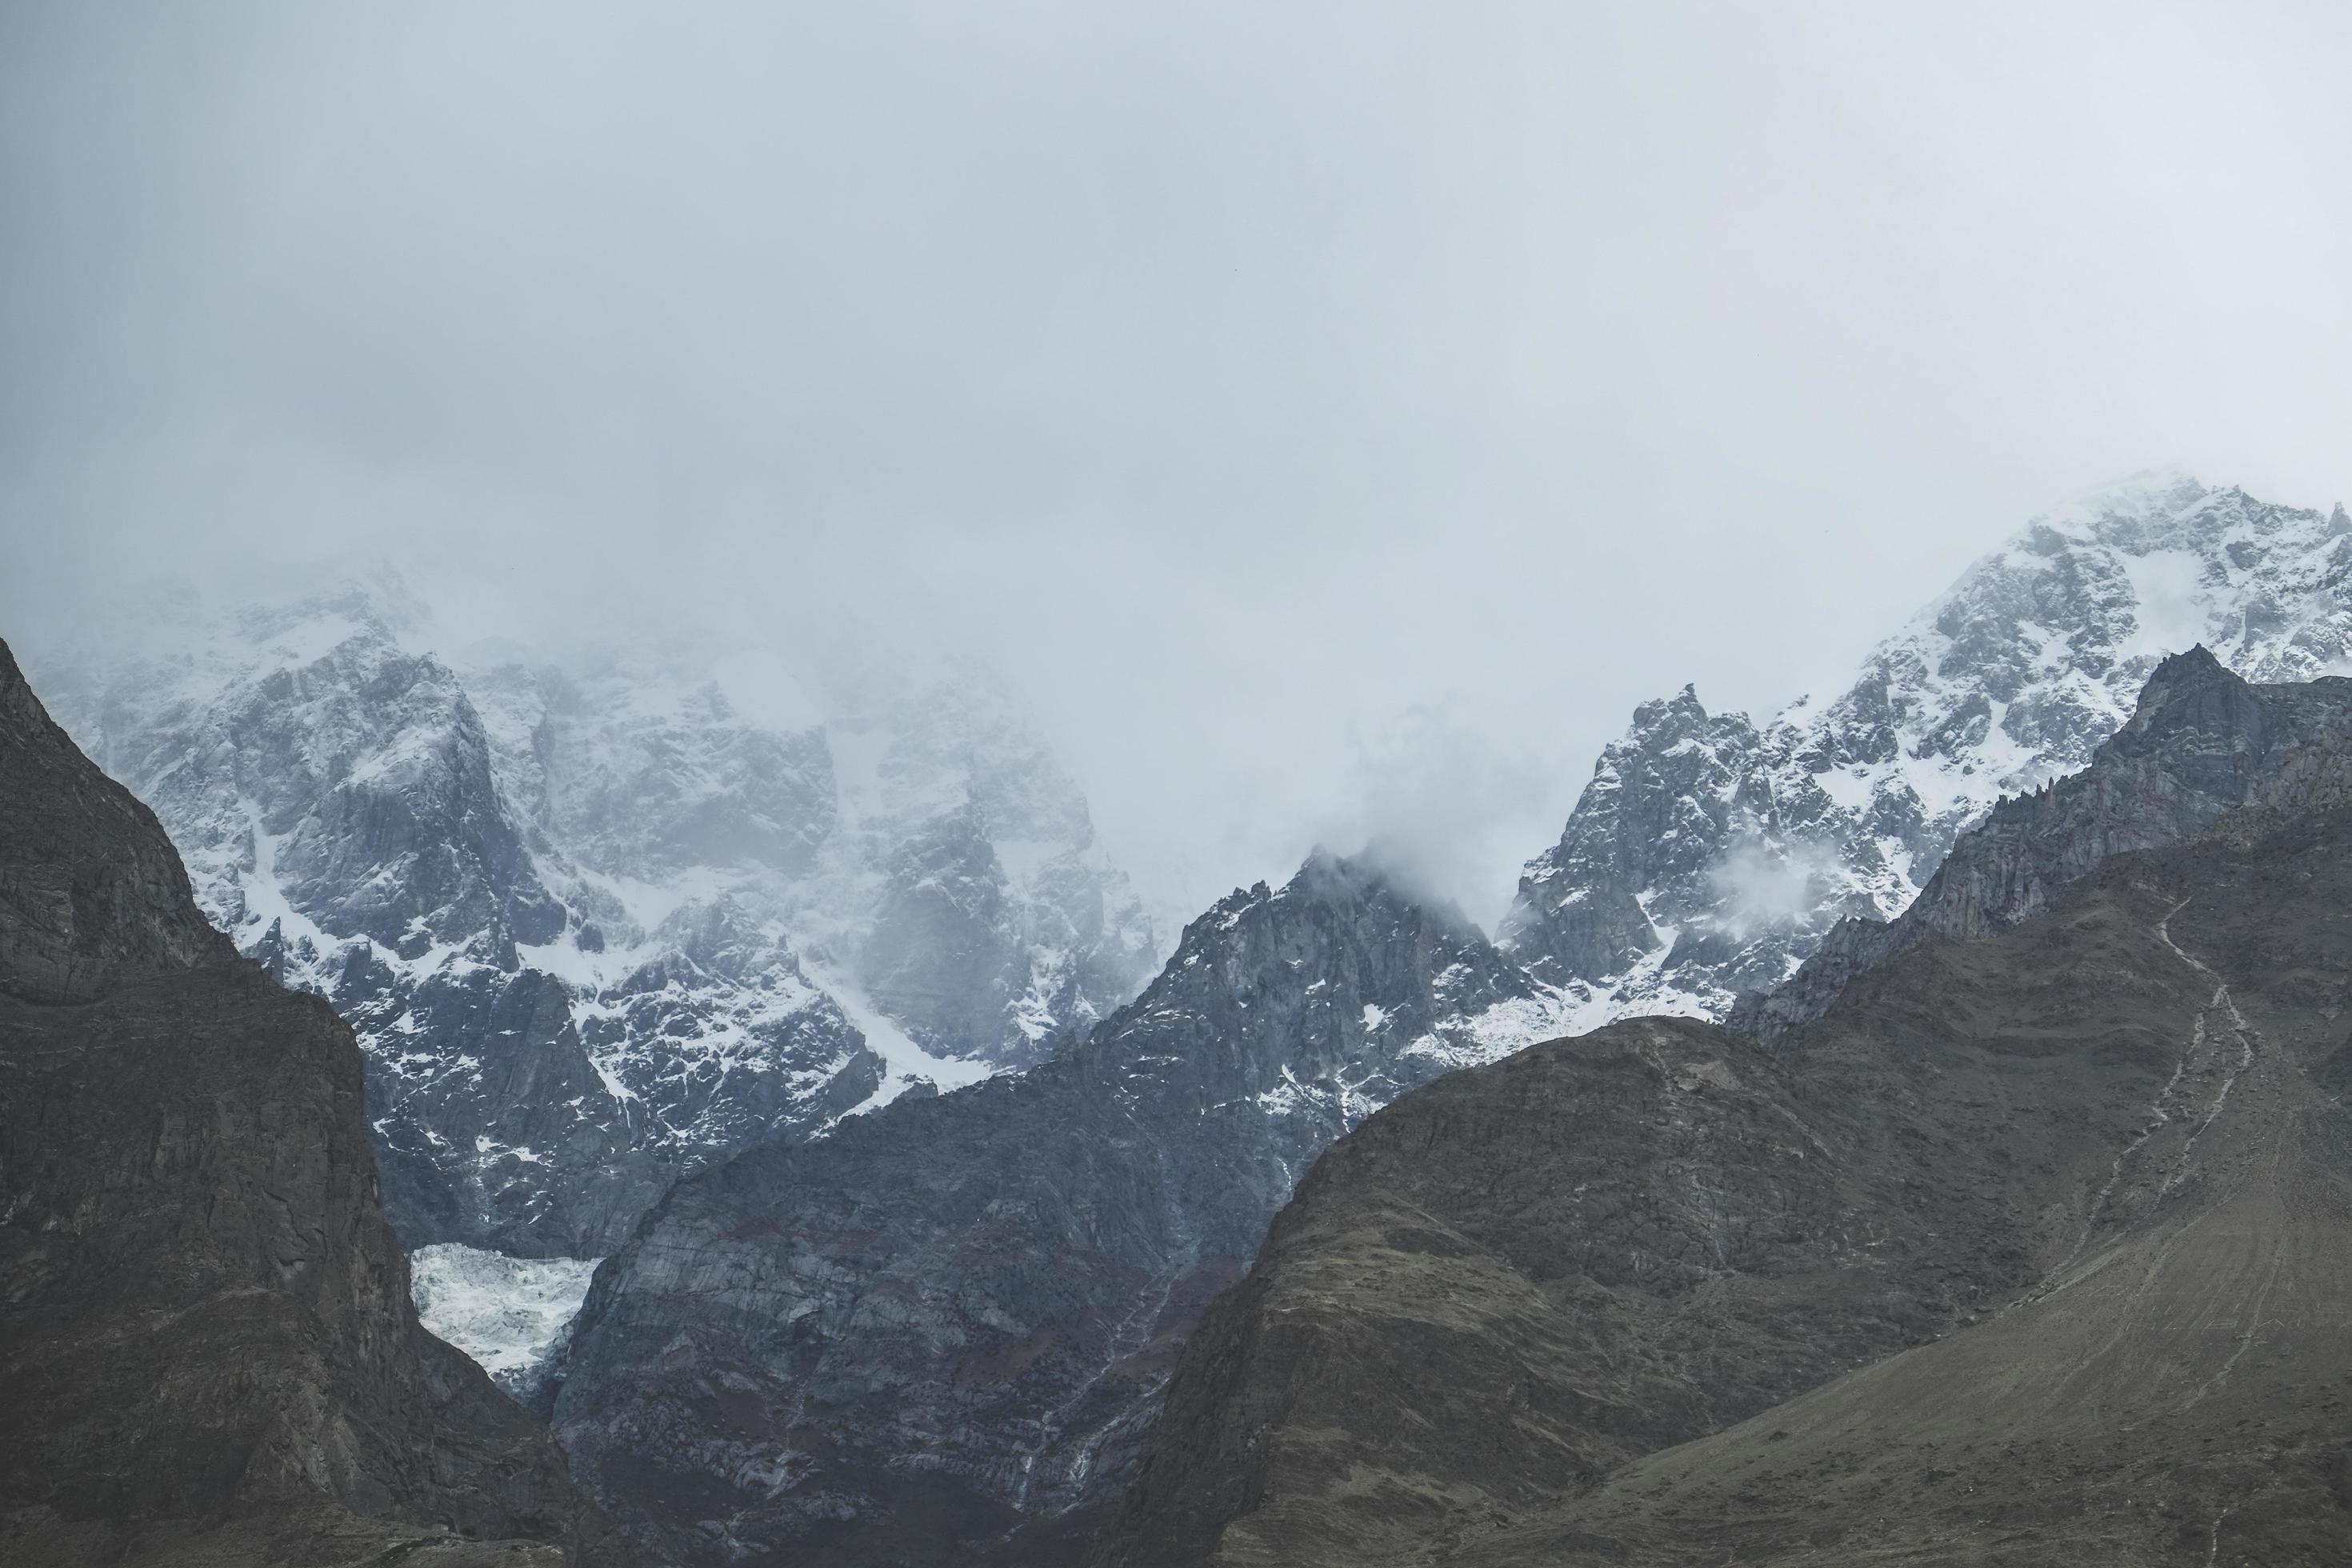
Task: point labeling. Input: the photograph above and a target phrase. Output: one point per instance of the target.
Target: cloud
(1767, 883)
(1436, 804)
(1237, 378)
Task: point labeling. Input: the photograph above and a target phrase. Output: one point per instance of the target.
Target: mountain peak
(566, 900)
(2191, 689)
(1331, 877)
(1663, 723)
(2195, 662)
(1066, 1224)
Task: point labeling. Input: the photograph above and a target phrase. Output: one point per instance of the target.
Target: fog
(1334, 418)
(1764, 884)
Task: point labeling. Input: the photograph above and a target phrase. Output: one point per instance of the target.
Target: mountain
(1710, 855)
(593, 926)
(2029, 1250)
(606, 936)
(206, 1350)
(938, 1334)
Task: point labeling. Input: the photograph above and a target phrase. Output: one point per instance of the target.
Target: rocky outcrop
(1709, 857)
(2200, 742)
(2024, 1252)
(936, 1336)
(207, 1349)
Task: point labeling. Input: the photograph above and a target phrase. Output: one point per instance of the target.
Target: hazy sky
(1335, 417)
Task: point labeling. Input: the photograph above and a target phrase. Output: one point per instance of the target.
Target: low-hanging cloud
(1435, 804)
(1767, 882)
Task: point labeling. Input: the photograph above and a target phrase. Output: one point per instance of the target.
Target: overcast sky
(1335, 417)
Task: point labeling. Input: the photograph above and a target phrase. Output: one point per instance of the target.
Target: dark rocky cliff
(207, 1349)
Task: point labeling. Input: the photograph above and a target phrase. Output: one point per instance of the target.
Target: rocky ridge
(2200, 743)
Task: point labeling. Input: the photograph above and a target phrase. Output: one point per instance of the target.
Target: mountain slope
(1710, 855)
(935, 1336)
(2072, 1194)
(2171, 1386)
(206, 1350)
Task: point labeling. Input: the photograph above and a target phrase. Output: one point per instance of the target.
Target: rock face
(2030, 1250)
(1709, 856)
(206, 1350)
(2201, 742)
(594, 927)
(936, 1336)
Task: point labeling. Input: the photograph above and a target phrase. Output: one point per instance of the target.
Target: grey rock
(105, 902)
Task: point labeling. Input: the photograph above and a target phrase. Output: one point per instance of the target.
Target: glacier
(510, 1314)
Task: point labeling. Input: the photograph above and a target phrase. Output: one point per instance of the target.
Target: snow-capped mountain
(1709, 856)
(593, 926)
